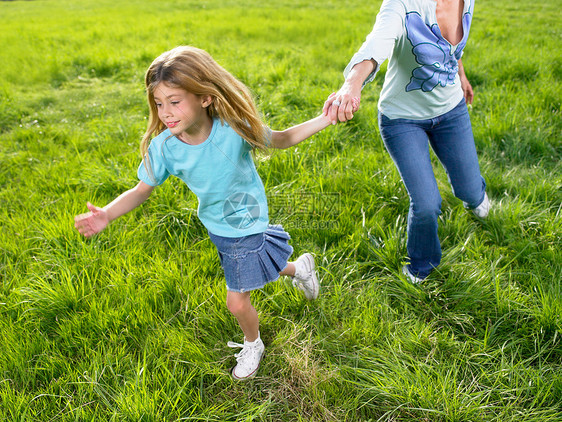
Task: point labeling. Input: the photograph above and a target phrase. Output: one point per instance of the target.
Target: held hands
(92, 222)
(341, 105)
(340, 109)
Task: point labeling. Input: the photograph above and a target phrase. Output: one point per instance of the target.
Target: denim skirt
(250, 262)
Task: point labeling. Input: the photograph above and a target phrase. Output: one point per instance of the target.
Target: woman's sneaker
(483, 209)
(305, 277)
(413, 279)
(248, 359)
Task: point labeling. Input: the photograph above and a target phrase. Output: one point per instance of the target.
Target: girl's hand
(91, 222)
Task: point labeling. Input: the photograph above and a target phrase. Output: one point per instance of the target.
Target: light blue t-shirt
(422, 79)
(220, 172)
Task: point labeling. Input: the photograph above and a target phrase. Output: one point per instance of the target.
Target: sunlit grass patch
(132, 324)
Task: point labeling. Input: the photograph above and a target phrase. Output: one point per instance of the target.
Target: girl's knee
(238, 303)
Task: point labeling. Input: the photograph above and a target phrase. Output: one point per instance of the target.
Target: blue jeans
(450, 136)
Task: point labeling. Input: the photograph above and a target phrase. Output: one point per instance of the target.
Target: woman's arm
(97, 219)
(293, 135)
(365, 63)
(465, 85)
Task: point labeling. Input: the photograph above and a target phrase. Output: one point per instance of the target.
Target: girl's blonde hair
(197, 72)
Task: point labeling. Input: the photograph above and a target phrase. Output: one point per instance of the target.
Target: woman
(423, 99)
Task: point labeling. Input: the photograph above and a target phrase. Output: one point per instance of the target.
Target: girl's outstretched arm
(97, 219)
(293, 135)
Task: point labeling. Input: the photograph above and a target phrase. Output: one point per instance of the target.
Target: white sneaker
(483, 209)
(248, 359)
(305, 277)
(413, 279)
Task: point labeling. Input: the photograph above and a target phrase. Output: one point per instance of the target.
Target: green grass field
(131, 325)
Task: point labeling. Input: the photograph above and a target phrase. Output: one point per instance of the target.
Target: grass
(131, 325)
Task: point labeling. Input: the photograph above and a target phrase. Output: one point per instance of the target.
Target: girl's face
(184, 113)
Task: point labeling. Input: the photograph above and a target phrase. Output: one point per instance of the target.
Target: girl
(202, 127)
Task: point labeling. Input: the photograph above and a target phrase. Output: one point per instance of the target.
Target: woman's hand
(91, 222)
(342, 104)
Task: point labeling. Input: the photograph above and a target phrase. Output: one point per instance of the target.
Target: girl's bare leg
(289, 270)
(240, 305)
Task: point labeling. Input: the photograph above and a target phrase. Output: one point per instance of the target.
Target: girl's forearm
(296, 134)
(128, 201)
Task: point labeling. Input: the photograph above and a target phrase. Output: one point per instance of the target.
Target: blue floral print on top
(438, 64)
